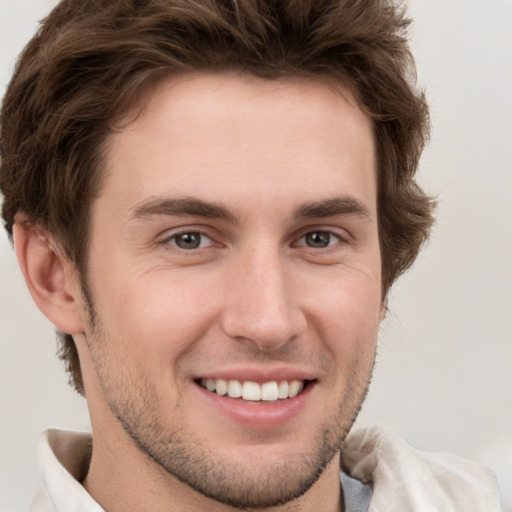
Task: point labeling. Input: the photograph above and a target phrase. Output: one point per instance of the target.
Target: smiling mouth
(254, 392)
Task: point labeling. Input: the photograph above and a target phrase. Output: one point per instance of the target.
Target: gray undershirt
(357, 495)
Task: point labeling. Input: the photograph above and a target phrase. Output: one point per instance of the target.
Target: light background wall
(444, 373)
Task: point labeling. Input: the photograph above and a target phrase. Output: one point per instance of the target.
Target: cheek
(155, 318)
(347, 317)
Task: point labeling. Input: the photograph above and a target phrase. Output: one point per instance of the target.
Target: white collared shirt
(383, 474)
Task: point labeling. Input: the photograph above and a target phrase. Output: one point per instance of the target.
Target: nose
(262, 303)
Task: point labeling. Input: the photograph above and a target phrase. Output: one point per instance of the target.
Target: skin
(283, 163)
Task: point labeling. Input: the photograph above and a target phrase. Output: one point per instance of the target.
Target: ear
(51, 278)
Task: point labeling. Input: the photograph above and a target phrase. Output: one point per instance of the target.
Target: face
(234, 273)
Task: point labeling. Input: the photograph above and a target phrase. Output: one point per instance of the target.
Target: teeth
(296, 386)
(234, 389)
(221, 387)
(268, 391)
(251, 391)
(283, 389)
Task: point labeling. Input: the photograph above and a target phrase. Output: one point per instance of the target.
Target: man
(211, 200)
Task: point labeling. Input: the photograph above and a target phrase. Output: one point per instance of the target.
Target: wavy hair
(90, 60)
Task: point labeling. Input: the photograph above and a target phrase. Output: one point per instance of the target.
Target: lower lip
(259, 414)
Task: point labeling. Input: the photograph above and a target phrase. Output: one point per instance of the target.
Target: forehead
(256, 137)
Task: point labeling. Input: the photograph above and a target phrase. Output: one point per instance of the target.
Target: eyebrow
(344, 205)
(182, 207)
(189, 206)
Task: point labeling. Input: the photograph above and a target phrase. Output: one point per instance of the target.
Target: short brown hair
(91, 58)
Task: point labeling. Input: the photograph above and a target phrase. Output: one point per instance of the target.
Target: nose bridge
(261, 306)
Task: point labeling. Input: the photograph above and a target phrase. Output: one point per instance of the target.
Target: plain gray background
(444, 373)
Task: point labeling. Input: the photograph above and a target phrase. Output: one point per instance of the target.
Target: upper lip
(260, 375)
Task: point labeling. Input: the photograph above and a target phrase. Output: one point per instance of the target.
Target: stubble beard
(186, 457)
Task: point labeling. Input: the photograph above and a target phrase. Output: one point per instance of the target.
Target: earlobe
(49, 276)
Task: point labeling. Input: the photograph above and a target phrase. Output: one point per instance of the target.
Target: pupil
(188, 240)
(318, 239)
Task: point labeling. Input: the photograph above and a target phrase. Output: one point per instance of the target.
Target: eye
(190, 240)
(319, 239)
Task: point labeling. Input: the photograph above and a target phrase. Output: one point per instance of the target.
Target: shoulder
(403, 478)
(63, 458)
